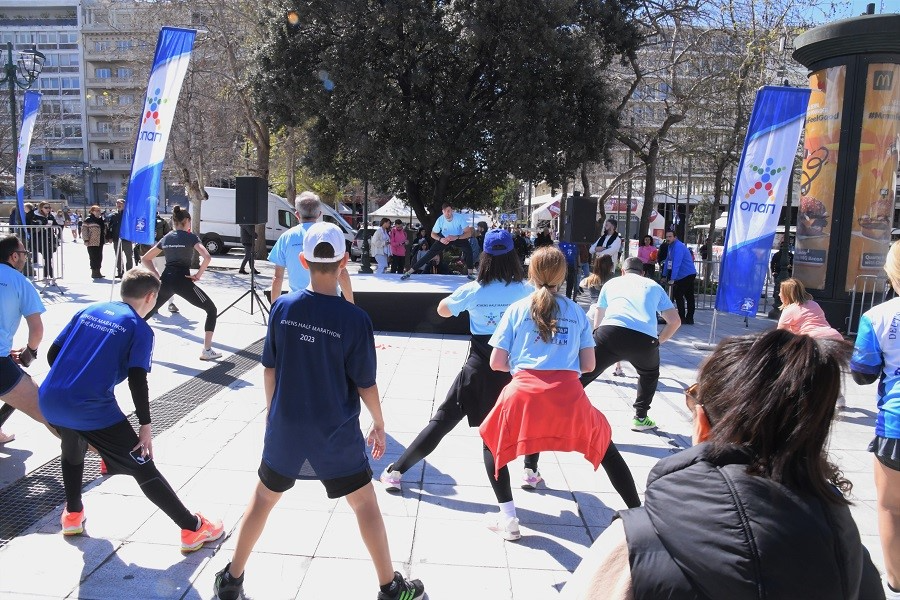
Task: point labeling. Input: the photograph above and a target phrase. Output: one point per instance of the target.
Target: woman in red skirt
(545, 341)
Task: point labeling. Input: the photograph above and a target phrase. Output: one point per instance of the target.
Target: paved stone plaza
(311, 547)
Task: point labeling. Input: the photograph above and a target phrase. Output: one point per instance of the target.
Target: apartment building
(59, 145)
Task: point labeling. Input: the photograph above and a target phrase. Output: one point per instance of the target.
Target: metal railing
(868, 290)
(45, 248)
(707, 284)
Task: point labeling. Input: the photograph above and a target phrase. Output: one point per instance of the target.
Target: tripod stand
(254, 298)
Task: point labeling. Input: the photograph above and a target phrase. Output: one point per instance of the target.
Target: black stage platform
(411, 305)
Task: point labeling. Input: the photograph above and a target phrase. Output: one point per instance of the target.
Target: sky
(858, 7)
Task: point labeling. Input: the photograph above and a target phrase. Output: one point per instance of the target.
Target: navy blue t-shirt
(98, 346)
(323, 350)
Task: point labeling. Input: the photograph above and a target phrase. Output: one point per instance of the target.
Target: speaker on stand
(251, 207)
(582, 212)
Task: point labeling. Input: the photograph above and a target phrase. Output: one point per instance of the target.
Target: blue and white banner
(759, 191)
(29, 115)
(173, 53)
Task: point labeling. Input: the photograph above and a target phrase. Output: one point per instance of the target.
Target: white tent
(547, 208)
(721, 223)
(394, 208)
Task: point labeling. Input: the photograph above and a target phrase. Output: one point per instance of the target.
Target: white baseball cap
(323, 232)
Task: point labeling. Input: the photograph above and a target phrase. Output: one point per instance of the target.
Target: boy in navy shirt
(312, 430)
(101, 346)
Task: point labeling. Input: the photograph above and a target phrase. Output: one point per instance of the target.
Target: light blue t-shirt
(286, 253)
(517, 335)
(18, 299)
(631, 301)
(877, 351)
(486, 303)
(454, 226)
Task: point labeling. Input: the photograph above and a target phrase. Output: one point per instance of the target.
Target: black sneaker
(227, 587)
(403, 589)
(405, 276)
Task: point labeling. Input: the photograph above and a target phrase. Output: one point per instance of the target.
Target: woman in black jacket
(753, 510)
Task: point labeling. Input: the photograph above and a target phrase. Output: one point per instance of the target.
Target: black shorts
(335, 488)
(10, 375)
(887, 451)
(114, 445)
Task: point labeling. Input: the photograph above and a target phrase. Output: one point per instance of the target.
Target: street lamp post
(28, 67)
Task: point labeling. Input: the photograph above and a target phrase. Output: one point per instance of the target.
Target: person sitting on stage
(449, 230)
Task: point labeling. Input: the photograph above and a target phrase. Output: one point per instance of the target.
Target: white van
(219, 232)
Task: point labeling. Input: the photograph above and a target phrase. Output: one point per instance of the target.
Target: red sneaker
(209, 531)
(72, 522)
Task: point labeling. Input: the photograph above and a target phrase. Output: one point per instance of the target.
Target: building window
(124, 44)
(49, 83)
(71, 107)
(104, 127)
(126, 99)
(71, 83)
(105, 153)
(124, 72)
(125, 154)
(104, 73)
(102, 46)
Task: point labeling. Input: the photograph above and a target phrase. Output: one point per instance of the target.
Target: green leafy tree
(442, 101)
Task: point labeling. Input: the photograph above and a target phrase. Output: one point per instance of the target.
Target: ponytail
(544, 312)
(179, 214)
(547, 270)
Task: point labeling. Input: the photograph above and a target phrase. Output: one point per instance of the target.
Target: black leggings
(114, 445)
(176, 281)
(248, 257)
(618, 472)
(448, 416)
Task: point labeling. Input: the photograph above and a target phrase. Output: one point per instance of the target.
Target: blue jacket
(679, 262)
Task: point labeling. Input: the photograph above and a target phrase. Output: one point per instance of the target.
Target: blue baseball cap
(498, 242)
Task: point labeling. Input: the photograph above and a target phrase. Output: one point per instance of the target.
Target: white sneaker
(508, 529)
(210, 354)
(172, 308)
(841, 403)
(530, 479)
(391, 479)
(888, 593)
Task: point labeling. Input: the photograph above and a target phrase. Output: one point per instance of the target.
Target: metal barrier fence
(707, 284)
(868, 290)
(45, 248)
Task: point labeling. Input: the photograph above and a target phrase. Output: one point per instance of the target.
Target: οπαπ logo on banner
(761, 191)
(153, 117)
(140, 224)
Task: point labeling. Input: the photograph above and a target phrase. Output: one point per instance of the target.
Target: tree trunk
(650, 162)
(195, 195)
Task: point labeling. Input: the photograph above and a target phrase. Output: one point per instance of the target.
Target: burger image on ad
(876, 223)
(812, 218)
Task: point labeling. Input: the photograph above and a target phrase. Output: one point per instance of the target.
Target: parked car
(356, 246)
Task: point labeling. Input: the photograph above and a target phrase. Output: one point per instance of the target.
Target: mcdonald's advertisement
(817, 179)
(876, 177)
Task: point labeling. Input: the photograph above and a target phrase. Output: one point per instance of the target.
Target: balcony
(110, 136)
(111, 82)
(94, 110)
(112, 164)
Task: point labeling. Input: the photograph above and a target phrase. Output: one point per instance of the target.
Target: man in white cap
(313, 430)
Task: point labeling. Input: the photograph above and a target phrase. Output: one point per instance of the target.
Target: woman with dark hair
(545, 342)
(754, 509)
(499, 283)
(381, 245)
(876, 357)
(647, 253)
(179, 246)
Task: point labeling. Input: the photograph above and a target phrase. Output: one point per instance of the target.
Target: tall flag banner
(173, 53)
(759, 191)
(29, 116)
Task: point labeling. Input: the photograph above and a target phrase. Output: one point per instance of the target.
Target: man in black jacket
(120, 245)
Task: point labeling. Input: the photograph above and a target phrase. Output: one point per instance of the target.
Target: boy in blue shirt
(101, 346)
(312, 430)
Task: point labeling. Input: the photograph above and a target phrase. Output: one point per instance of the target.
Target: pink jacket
(398, 241)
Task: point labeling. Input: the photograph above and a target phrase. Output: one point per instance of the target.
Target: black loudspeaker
(583, 214)
(251, 201)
